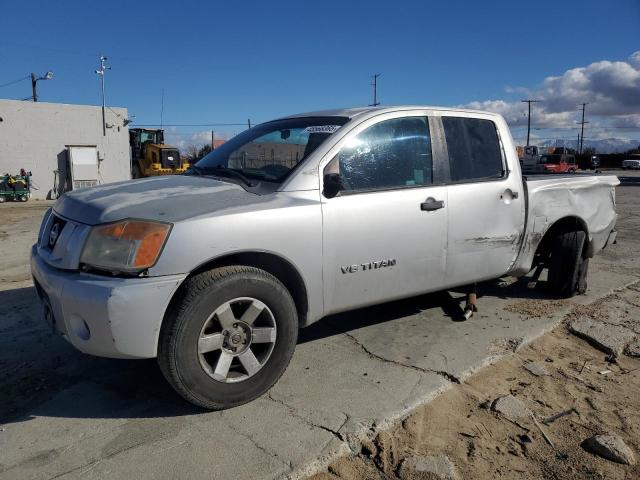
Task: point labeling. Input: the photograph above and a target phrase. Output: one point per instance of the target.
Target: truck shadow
(42, 375)
(450, 303)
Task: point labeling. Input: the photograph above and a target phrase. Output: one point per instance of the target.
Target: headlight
(129, 245)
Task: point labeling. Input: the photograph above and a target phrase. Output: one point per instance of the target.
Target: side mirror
(332, 185)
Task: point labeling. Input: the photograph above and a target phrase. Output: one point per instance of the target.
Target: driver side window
(394, 153)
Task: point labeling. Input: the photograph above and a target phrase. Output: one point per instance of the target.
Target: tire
(23, 198)
(567, 273)
(135, 172)
(3, 199)
(199, 375)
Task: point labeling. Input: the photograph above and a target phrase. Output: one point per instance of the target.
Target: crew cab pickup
(213, 272)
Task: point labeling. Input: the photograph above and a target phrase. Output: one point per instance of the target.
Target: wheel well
(271, 263)
(566, 224)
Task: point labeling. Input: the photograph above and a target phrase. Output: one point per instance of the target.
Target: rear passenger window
(390, 154)
(474, 149)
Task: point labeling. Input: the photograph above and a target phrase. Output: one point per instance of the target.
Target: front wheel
(567, 275)
(229, 338)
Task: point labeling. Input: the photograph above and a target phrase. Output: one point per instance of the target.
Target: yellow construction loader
(151, 157)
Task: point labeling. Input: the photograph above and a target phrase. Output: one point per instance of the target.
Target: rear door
(486, 207)
(384, 234)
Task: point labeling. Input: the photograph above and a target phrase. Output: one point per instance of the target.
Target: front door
(384, 233)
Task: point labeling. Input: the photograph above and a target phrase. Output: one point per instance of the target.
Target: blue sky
(225, 62)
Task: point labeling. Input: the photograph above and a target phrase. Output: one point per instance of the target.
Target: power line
(14, 81)
(191, 124)
(627, 127)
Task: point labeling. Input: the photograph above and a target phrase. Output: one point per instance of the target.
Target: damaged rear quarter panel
(587, 197)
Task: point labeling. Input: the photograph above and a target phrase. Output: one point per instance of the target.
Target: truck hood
(169, 198)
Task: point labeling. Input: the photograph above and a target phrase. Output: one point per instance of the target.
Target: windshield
(269, 151)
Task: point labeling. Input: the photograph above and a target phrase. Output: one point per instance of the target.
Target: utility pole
(578, 143)
(213, 140)
(582, 127)
(101, 71)
(249, 123)
(529, 102)
(33, 87)
(34, 81)
(375, 90)
(162, 108)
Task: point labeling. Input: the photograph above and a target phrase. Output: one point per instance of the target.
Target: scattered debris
(583, 365)
(611, 447)
(604, 372)
(439, 467)
(555, 417)
(510, 407)
(609, 338)
(546, 437)
(536, 369)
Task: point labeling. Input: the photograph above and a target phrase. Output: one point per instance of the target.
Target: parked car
(213, 272)
(631, 163)
(559, 163)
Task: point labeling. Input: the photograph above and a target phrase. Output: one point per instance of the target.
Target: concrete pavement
(67, 415)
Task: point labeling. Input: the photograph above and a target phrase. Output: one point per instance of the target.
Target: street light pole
(101, 71)
(34, 81)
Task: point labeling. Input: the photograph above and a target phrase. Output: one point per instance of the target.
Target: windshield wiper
(233, 172)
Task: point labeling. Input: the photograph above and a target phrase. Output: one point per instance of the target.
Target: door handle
(431, 204)
(508, 195)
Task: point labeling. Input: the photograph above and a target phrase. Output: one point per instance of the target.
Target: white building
(63, 145)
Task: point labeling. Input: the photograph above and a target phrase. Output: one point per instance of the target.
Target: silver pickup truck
(214, 272)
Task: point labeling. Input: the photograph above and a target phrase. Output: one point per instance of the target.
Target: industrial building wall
(35, 136)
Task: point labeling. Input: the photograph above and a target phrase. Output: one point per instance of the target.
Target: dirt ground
(482, 444)
(19, 224)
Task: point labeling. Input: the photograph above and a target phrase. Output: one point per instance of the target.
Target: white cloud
(185, 140)
(611, 88)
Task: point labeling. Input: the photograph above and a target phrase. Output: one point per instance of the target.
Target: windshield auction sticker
(321, 129)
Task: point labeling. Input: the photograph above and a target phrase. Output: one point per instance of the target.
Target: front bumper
(105, 316)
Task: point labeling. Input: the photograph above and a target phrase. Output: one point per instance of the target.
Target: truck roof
(352, 112)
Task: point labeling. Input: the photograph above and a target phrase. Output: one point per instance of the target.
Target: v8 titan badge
(390, 262)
